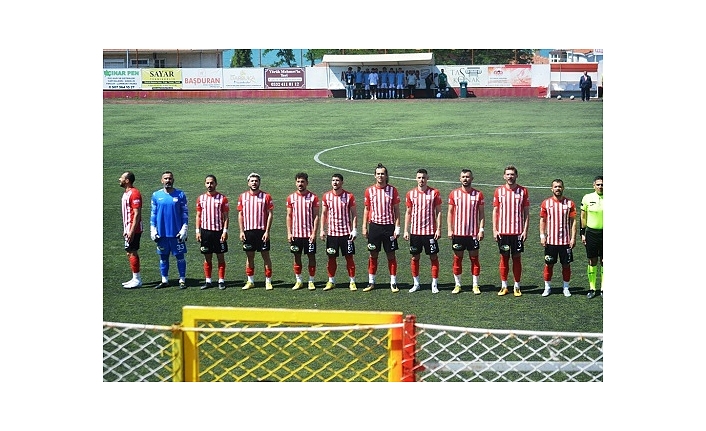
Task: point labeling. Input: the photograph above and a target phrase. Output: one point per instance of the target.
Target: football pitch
(544, 138)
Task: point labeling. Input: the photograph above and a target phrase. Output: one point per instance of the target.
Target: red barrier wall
(214, 94)
(302, 94)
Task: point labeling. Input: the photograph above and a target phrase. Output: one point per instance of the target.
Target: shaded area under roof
(414, 59)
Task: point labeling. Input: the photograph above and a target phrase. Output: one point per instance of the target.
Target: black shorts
(211, 242)
(302, 245)
(594, 243)
(334, 244)
(134, 245)
(382, 235)
(253, 241)
(563, 253)
(510, 244)
(460, 243)
(417, 243)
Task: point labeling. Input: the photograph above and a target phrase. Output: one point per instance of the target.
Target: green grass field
(545, 139)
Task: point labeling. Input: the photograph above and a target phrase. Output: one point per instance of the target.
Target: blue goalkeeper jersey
(169, 212)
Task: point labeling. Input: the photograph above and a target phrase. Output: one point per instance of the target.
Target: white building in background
(576, 55)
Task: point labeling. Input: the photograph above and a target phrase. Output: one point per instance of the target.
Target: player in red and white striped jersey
(255, 209)
(422, 228)
(466, 228)
(302, 222)
(212, 219)
(557, 234)
(381, 225)
(131, 209)
(339, 216)
(510, 224)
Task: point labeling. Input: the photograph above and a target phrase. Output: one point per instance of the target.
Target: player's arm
(241, 224)
(437, 218)
(481, 222)
(407, 219)
(324, 221)
(153, 219)
(584, 220)
(136, 217)
(526, 217)
(225, 217)
(182, 235)
(197, 222)
(353, 216)
(572, 224)
(450, 219)
(366, 217)
(496, 233)
(289, 222)
(268, 224)
(572, 230)
(542, 228)
(396, 213)
(315, 210)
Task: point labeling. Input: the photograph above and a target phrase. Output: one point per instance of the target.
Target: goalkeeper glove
(153, 233)
(182, 233)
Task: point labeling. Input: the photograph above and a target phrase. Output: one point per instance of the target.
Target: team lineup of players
(334, 217)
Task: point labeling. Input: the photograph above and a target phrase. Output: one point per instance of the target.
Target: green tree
(483, 56)
(286, 56)
(318, 54)
(241, 58)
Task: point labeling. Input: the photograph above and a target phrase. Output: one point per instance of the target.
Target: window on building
(112, 63)
(139, 62)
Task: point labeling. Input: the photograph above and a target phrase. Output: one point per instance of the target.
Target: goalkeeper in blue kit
(169, 218)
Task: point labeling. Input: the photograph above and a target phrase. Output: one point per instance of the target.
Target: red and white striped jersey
(338, 212)
(510, 205)
(212, 210)
(380, 203)
(304, 208)
(557, 214)
(466, 211)
(132, 200)
(422, 206)
(255, 208)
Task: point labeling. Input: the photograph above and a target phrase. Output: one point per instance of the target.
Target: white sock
(208, 279)
(299, 277)
(352, 279)
(517, 285)
(546, 285)
(268, 279)
(503, 284)
(251, 278)
(393, 279)
(434, 282)
(332, 280)
(566, 285)
(416, 280)
(311, 279)
(371, 279)
(475, 280)
(136, 276)
(457, 279)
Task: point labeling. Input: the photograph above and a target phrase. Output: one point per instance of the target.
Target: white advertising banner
(202, 79)
(122, 79)
(252, 78)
